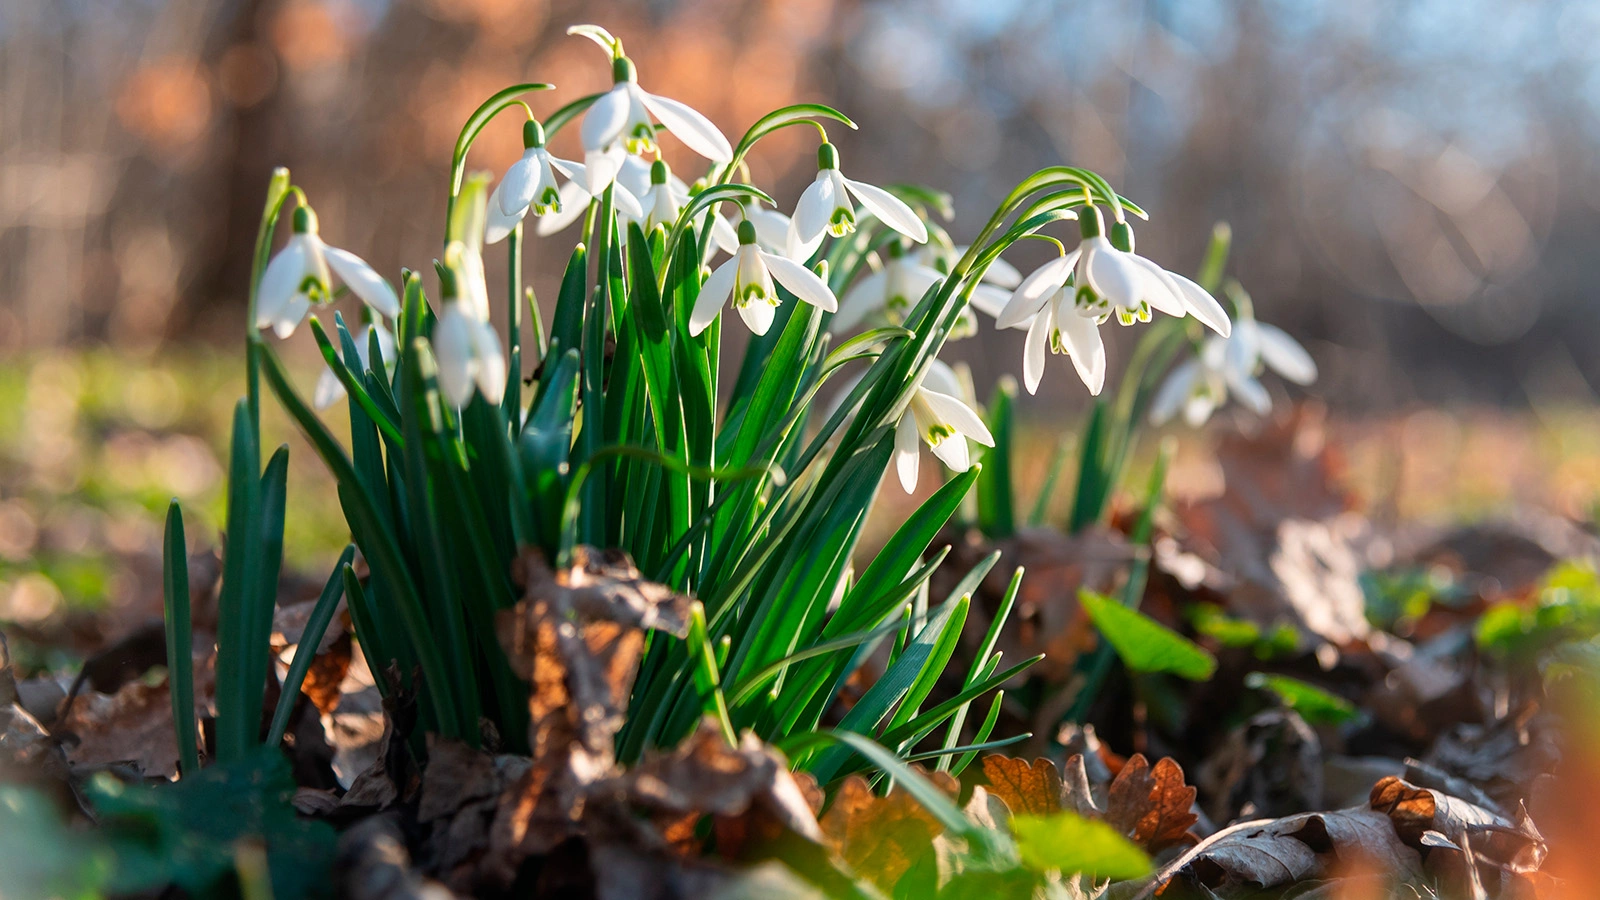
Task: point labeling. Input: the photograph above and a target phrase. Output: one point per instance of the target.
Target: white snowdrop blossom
(826, 206)
(748, 279)
(938, 417)
(330, 389)
(464, 342)
(530, 185)
(623, 120)
(298, 278)
(1233, 365)
(893, 290)
(1110, 281)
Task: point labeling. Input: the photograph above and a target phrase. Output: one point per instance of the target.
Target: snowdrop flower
(530, 184)
(330, 389)
(894, 289)
(1108, 280)
(748, 278)
(298, 278)
(1201, 385)
(622, 121)
(938, 417)
(827, 204)
(464, 342)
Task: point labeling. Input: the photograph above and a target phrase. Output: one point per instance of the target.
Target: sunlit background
(1412, 188)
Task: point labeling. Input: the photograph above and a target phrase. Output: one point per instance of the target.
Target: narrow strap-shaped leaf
(996, 491)
(376, 540)
(353, 385)
(306, 648)
(984, 730)
(240, 572)
(277, 192)
(180, 640)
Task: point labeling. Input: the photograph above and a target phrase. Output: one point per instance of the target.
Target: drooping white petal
(1111, 274)
(1035, 291)
(724, 235)
(574, 203)
(1000, 273)
(713, 295)
(605, 120)
(989, 299)
(280, 282)
(1035, 350)
(497, 226)
(952, 411)
(864, 297)
(954, 453)
(801, 281)
(1198, 409)
(329, 390)
(292, 316)
(363, 281)
(1084, 345)
(940, 377)
(1202, 305)
(517, 188)
(1284, 355)
(890, 210)
(626, 202)
(600, 168)
(1251, 393)
(453, 349)
(907, 452)
(689, 126)
(1173, 392)
(491, 374)
(1158, 288)
(772, 229)
(815, 206)
(758, 316)
(568, 169)
(1242, 351)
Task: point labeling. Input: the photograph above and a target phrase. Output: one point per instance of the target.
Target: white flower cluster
(1062, 304)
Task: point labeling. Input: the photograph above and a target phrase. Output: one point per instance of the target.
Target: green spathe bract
(752, 498)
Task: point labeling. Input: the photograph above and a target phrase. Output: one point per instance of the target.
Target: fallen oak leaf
(1151, 805)
(1027, 788)
(878, 837)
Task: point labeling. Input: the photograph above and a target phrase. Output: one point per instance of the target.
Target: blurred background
(1411, 187)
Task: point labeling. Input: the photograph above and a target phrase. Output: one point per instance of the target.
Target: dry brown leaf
(1151, 804)
(134, 725)
(1273, 853)
(879, 838)
(1427, 817)
(1027, 788)
(578, 636)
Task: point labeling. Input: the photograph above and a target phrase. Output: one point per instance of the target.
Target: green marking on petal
(842, 222)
